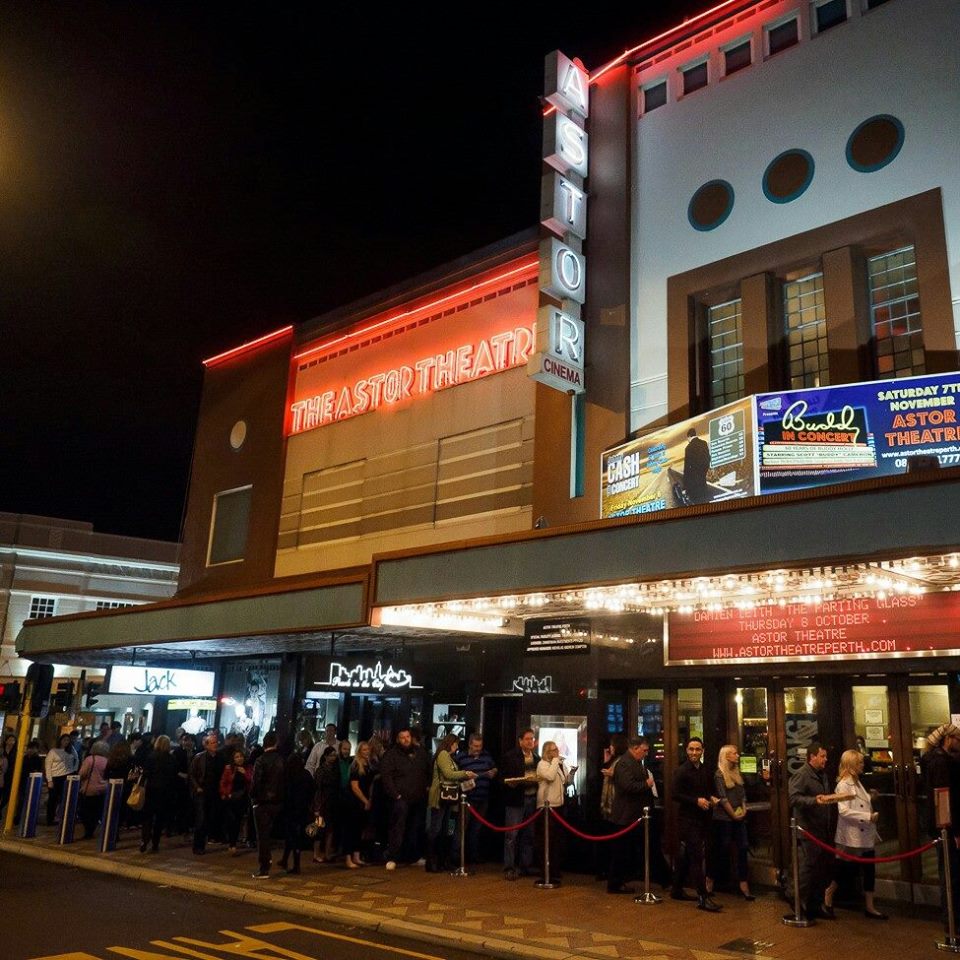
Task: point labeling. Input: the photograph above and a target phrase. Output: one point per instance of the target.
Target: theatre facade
(684, 461)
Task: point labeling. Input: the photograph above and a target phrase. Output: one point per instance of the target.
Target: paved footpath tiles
(576, 920)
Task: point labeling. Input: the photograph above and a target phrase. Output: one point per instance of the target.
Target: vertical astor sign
(559, 360)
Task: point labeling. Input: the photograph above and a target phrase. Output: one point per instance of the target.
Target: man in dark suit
(633, 790)
(696, 463)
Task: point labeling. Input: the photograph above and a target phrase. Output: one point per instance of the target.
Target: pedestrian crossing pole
(112, 805)
(31, 806)
(68, 819)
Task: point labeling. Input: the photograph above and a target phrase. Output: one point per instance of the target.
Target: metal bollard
(796, 919)
(31, 806)
(545, 883)
(462, 871)
(112, 805)
(646, 896)
(950, 944)
(68, 819)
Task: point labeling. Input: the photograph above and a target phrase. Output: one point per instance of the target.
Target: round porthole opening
(710, 205)
(875, 143)
(788, 176)
(238, 434)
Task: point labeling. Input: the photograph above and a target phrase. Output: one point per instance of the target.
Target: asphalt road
(53, 912)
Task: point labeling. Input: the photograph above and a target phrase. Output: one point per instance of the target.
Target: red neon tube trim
(524, 267)
(233, 351)
(646, 43)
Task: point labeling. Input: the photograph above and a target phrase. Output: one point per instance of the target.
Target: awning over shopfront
(415, 597)
(200, 627)
(877, 519)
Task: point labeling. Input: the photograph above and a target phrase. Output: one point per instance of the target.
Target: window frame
(36, 599)
(644, 87)
(742, 41)
(794, 16)
(816, 5)
(703, 61)
(213, 526)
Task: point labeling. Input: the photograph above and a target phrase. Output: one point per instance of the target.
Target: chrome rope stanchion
(796, 919)
(545, 883)
(950, 943)
(646, 896)
(462, 871)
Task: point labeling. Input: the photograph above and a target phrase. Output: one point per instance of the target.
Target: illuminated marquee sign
(468, 362)
(360, 677)
(158, 681)
(558, 362)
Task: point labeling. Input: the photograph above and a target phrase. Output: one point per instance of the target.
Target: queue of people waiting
(391, 805)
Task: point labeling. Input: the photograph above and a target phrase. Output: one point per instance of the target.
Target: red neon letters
(494, 354)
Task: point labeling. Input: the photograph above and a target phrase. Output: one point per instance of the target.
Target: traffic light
(92, 692)
(10, 697)
(39, 681)
(62, 697)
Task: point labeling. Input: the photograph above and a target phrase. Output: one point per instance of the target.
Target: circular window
(238, 434)
(875, 143)
(788, 176)
(710, 205)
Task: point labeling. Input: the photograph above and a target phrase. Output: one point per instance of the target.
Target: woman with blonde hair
(553, 776)
(856, 831)
(730, 821)
(359, 805)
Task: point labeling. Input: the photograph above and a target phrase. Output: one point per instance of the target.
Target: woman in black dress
(326, 804)
(161, 781)
(359, 805)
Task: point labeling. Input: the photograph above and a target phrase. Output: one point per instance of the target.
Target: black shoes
(260, 875)
(681, 895)
(749, 897)
(706, 903)
(825, 913)
(874, 916)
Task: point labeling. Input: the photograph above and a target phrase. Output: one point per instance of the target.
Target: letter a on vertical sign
(566, 84)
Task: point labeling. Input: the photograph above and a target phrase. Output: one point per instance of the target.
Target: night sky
(178, 178)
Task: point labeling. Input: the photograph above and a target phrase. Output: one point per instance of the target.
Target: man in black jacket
(520, 802)
(203, 777)
(940, 766)
(405, 773)
(807, 793)
(266, 794)
(693, 791)
(633, 790)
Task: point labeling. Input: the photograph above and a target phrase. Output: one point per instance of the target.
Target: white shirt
(553, 777)
(59, 763)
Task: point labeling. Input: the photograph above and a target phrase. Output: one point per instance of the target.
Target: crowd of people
(398, 804)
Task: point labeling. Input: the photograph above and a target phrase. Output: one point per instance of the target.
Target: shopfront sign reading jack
(344, 677)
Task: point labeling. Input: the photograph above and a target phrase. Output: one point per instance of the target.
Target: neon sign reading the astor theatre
(368, 678)
(471, 361)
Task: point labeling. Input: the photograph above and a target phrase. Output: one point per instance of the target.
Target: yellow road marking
(281, 926)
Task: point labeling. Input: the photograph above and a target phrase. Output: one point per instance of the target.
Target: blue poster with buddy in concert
(809, 438)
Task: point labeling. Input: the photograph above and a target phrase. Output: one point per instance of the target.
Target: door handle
(897, 782)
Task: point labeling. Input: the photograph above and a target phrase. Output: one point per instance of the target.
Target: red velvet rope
(849, 856)
(517, 826)
(587, 836)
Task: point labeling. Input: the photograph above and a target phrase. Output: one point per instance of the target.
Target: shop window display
(249, 699)
(569, 733)
(448, 718)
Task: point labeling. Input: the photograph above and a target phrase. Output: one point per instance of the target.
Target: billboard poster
(702, 460)
(810, 438)
(845, 628)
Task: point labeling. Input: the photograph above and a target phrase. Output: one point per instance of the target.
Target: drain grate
(746, 945)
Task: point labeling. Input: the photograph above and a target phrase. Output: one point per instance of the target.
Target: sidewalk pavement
(485, 913)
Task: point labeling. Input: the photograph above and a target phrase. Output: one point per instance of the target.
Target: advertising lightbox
(809, 438)
(161, 681)
(791, 440)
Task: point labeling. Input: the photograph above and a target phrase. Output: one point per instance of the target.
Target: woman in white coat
(553, 776)
(856, 830)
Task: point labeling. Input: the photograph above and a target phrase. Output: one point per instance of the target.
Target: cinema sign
(559, 358)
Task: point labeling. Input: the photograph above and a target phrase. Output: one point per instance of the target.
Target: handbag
(449, 792)
(138, 796)
(313, 828)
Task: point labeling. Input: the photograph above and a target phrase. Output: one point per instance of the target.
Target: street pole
(23, 738)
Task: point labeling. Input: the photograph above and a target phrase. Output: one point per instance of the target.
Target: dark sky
(177, 178)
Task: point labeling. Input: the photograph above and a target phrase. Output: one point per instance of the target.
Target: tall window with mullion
(895, 314)
(806, 329)
(725, 330)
